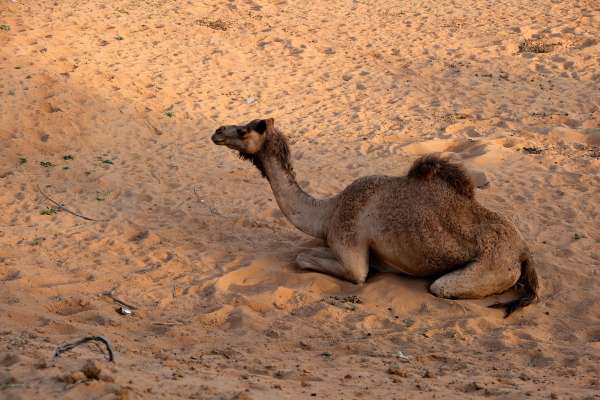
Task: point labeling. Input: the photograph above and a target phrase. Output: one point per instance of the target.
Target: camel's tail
(529, 285)
(434, 167)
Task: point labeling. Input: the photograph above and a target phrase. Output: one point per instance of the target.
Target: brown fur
(276, 146)
(426, 224)
(433, 167)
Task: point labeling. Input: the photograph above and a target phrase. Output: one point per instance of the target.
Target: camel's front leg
(350, 265)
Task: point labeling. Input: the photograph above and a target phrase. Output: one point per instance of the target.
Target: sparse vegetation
(46, 164)
(169, 114)
(4, 27)
(119, 37)
(215, 24)
(101, 196)
(50, 211)
(37, 241)
(532, 150)
(68, 157)
(22, 160)
(535, 46)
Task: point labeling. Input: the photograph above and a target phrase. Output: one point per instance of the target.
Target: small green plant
(119, 37)
(101, 196)
(37, 241)
(4, 27)
(68, 157)
(170, 114)
(46, 164)
(107, 161)
(22, 160)
(50, 211)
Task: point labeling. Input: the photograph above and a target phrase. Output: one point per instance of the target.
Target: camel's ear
(264, 125)
(270, 124)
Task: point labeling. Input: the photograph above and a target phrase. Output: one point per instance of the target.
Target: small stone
(305, 346)
(396, 370)
(282, 374)
(347, 77)
(524, 377)
(427, 374)
(91, 369)
(473, 387)
(329, 50)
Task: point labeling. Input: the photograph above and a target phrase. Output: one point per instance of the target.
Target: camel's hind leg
(476, 280)
(496, 270)
(346, 263)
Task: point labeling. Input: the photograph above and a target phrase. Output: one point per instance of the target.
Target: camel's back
(422, 227)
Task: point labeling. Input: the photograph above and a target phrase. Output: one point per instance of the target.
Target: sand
(108, 107)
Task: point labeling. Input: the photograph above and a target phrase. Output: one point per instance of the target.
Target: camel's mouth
(218, 138)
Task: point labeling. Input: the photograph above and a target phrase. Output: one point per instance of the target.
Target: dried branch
(65, 209)
(109, 293)
(71, 345)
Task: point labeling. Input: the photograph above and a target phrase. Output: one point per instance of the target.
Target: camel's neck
(308, 214)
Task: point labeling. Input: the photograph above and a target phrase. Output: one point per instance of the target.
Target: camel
(426, 224)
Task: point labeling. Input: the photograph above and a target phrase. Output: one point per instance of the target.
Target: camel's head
(247, 139)
(256, 141)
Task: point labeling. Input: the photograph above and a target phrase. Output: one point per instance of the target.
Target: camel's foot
(476, 280)
(322, 259)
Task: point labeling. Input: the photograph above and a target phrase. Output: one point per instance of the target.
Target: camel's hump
(433, 167)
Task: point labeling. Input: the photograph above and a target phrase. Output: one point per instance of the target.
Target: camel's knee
(442, 288)
(329, 264)
(357, 277)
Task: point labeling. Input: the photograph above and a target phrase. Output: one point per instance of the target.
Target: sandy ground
(108, 107)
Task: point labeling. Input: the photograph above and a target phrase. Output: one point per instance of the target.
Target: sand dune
(108, 108)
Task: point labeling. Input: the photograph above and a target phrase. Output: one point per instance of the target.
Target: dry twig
(109, 293)
(71, 345)
(65, 209)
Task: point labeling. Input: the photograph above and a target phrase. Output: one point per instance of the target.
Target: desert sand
(108, 108)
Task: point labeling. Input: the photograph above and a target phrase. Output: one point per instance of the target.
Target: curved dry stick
(65, 209)
(71, 345)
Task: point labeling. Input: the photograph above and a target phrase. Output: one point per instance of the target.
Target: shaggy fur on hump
(433, 167)
(276, 146)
